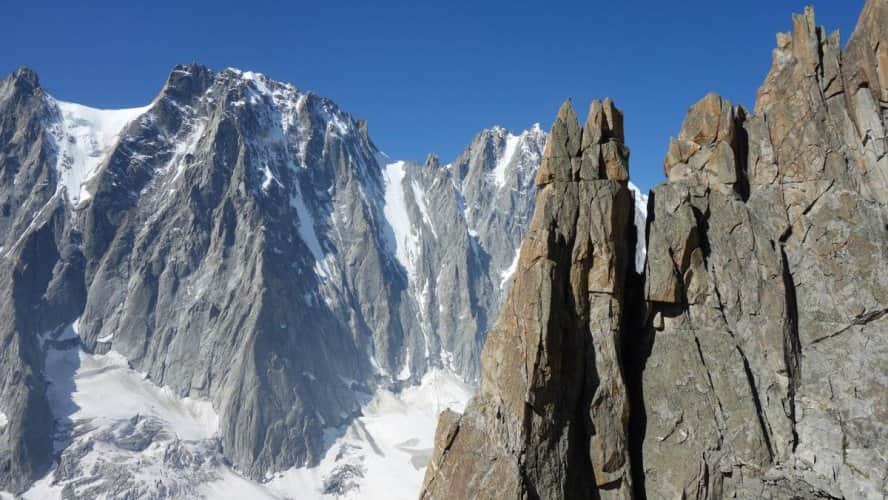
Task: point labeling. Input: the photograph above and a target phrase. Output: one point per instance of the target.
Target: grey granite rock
(236, 242)
(767, 309)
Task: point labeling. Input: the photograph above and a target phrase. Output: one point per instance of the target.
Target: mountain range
(232, 292)
(221, 285)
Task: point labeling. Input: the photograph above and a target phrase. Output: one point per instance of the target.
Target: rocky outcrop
(551, 415)
(767, 359)
(754, 356)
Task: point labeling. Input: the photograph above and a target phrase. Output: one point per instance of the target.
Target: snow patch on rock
(80, 384)
(83, 137)
(117, 433)
(509, 271)
(395, 211)
(641, 203)
(307, 231)
(381, 455)
(419, 197)
(499, 171)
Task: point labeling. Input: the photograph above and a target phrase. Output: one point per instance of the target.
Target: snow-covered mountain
(233, 291)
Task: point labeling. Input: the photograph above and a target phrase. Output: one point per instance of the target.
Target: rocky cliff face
(242, 242)
(759, 371)
(551, 416)
(41, 273)
(456, 231)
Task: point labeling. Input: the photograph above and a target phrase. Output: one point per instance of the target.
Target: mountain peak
(27, 75)
(432, 161)
(186, 80)
(23, 79)
(603, 123)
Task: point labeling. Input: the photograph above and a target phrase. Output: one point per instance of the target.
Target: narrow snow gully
(637, 339)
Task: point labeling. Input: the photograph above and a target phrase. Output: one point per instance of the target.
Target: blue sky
(425, 75)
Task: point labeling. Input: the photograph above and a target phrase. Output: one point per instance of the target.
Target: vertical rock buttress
(551, 417)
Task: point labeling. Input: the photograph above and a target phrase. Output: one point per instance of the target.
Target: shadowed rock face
(755, 358)
(551, 416)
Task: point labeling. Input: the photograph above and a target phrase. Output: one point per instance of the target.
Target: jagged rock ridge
(753, 353)
(766, 355)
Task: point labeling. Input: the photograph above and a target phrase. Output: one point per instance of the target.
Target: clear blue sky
(425, 75)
